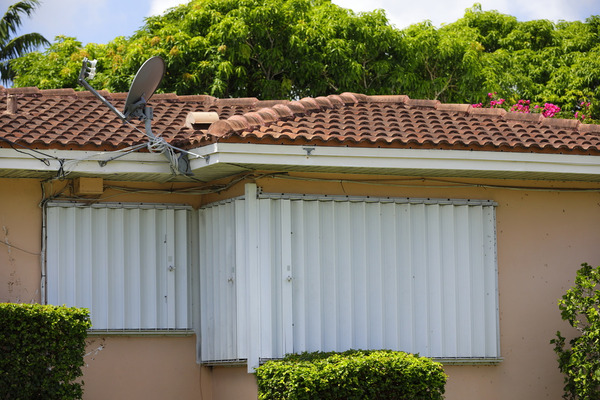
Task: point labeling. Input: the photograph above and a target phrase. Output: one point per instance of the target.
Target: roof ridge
(275, 110)
(533, 117)
(281, 111)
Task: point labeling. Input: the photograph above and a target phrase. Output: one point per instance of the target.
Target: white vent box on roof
(201, 120)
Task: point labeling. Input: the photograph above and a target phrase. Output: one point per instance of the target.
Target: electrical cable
(9, 245)
(44, 160)
(449, 184)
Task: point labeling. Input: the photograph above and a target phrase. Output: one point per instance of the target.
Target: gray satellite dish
(143, 86)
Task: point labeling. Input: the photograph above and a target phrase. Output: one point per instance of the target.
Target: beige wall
(20, 240)
(143, 368)
(542, 236)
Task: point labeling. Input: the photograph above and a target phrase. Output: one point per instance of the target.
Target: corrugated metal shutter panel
(316, 274)
(218, 280)
(128, 265)
(412, 277)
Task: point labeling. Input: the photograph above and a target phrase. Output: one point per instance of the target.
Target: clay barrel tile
(242, 101)
(459, 108)
(589, 128)
(283, 110)
(254, 119)
(310, 104)
(524, 117)
(353, 98)
(403, 99)
(560, 123)
(500, 112)
(269, 115)
(220, 128)
(323, 102)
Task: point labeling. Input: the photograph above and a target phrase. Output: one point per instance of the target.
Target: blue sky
(99, 21)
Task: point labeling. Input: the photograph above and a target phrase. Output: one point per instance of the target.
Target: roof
(65, 119)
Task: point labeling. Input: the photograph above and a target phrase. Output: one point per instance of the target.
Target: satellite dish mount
(142, 88)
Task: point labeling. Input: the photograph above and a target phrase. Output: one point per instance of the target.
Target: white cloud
(160, 6)
(403, 13)
(100, 21)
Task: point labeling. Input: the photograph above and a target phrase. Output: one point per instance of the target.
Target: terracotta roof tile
(69, 119)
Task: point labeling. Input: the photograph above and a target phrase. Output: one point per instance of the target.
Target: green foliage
(443, 63)
(580, 361)
(354, 374)
(262, 48)
(491, 26)
(295, 48)
(41, 351)
(58, 66)
(13, 47)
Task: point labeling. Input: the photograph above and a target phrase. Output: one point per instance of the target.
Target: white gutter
(406, 159)
(83, 161)
(309, 157)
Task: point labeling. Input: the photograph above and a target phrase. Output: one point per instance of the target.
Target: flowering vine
(522, 106)
(548, 110)
(584, 115)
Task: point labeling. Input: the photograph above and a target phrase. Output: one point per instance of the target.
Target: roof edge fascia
(309, 157)
(88, 162)
(395, 159)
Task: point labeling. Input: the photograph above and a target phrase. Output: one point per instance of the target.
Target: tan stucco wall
(542, 236)
(21, 227)
(233, 383)
(144, 368)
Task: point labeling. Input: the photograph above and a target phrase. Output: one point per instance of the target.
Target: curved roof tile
(69, 119)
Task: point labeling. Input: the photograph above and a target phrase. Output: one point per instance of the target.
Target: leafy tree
(491, 26)
(262, 48)
(580, 361)
(442, 63)
(13, 47)
(58, 67)
(295, 48)
(539, 60)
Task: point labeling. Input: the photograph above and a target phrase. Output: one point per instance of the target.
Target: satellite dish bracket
(137, 109)
(142, 88)
(81, 80)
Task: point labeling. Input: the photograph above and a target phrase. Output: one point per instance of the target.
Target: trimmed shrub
(354, 374)
(41, 351)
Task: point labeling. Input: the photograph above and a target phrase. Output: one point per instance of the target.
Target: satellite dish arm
(135, 106)
(89, 68)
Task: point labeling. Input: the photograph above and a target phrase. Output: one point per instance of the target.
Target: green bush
(354, 374)
(41, 351)
(580, 361)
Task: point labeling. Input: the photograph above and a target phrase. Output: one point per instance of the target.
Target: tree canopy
(13, 47)
(295, 48)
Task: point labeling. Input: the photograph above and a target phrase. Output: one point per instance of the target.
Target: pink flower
(550, 110)
(522, 106)
(495, 103)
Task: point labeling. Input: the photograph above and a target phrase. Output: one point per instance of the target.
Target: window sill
(141, 332)
(469, 361)
(225, 363)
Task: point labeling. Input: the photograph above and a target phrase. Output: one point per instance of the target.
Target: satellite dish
(143, 86)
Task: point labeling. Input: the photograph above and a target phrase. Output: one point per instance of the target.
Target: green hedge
(354, 374)
(41, 351)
